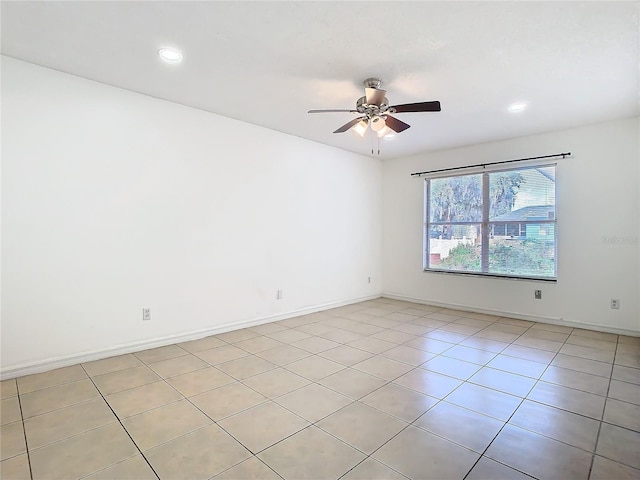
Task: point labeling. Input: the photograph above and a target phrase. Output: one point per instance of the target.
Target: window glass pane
(513, 229)
(520, 226)
(499, 229)
(522, 195)
(456, 199)
(455, 247)
(521, 256)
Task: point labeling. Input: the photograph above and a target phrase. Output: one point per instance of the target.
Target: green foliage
(528, 257)
(463, 257)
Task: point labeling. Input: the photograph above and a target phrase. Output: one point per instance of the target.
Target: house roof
(536, 212)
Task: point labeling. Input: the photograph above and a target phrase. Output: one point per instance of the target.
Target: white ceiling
(267, 63)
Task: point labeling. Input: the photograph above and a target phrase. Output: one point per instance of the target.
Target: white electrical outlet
(279, 294)
(146, 314)
(615, 303)
(369, 279)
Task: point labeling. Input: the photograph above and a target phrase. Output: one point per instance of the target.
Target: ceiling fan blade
(347, 126)
(374, 96)
(334, 110)
(395, 124)
(418, 107)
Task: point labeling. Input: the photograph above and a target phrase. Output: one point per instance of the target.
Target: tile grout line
(310, 423)
(548, 364)
(539, 380)
(521, 402)
(410, 424)
(369, 457)
(604, 407)
(482, 455)
(253, 455)
(24, 430)
(526, 397)
(247, 386)
(184, 398)
(606, 397)
(123, 427)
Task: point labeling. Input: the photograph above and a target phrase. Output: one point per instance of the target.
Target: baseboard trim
(68, 360)
(518, 315)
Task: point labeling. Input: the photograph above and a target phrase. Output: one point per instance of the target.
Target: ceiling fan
(375, 111)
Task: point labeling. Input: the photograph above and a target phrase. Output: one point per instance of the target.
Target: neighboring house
(518, 223)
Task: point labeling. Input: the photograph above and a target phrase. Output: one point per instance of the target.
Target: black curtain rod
(563, 155)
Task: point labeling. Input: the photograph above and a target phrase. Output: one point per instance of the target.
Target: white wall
(598, 208)
(113, 201)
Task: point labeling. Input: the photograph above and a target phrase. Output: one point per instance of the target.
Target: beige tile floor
(382, 389)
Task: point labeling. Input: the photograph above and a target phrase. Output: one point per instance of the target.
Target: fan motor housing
(363, 107)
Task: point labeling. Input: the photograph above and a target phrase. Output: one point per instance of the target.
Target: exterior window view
(498, 223)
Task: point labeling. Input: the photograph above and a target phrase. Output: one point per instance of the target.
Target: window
(500, 223)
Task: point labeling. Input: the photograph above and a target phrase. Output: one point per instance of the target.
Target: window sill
(492, 275)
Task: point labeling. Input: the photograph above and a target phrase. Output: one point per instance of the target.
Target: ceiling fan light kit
(361, 127)
(377, 123)
(384, 132)
(375, 110)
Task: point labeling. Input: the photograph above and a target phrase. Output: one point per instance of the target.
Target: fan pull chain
(373, 150)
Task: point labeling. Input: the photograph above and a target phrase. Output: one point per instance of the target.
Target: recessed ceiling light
(170, 55)
(517, 107)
